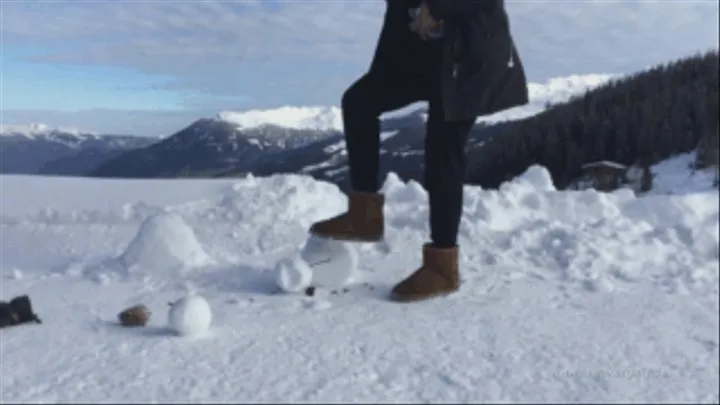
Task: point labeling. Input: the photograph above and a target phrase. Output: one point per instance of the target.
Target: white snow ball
(293, 274)
(189, 315)
(333, 262)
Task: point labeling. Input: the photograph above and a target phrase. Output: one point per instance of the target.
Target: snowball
(293, 274)
(189, 315)
(333, 263)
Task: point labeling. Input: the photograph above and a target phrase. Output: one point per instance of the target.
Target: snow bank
(279, 200)
(584, 237)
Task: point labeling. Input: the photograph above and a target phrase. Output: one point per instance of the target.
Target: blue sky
(151, 67)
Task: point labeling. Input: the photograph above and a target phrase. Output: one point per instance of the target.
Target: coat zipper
(456, 55)
(511, 60)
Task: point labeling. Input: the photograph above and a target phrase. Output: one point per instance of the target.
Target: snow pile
(281, 200)
(164, 242)
(585, 238)
(309, 118)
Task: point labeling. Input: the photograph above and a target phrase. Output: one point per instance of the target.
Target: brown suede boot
(438, 275)
(362, 222)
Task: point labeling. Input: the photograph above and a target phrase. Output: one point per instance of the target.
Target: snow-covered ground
(675, 176)
(566, 296)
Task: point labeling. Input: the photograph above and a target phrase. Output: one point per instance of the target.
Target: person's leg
(445, 144)
(444, 177)
(362, 104)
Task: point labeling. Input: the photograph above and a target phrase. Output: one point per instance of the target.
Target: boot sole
(420, 297)
(346, 238)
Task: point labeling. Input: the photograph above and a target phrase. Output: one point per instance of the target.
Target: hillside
(639, 119)
(307, 140)
(41, 149)
(402, 136)
(212, 145)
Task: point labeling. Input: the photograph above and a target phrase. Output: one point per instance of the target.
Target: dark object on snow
(310, 291)
(17, 311)
(137, 315)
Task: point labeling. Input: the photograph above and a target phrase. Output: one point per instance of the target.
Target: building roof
(604, 163)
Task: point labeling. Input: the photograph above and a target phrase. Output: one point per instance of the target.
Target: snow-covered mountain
(230, 139)
(307, 139)
(42, 149)
(403, 135)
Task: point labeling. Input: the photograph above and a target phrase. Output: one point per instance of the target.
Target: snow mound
(585, 238)
(280, 200)
(309, 118)
(164, 242)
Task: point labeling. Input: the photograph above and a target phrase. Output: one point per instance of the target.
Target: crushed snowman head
(189, 315)
(292, 274)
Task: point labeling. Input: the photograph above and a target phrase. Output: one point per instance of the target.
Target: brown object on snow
(137, 315)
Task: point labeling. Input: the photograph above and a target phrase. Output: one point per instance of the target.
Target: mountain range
(262, 142)
(40, 149)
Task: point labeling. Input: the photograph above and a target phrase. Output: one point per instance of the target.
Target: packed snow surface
(571, 296)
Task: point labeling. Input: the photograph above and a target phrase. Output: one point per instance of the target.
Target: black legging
(378, 92)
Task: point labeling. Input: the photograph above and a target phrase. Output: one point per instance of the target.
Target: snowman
(322, 263)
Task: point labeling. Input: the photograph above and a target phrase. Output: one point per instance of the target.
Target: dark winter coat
(481, 70)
